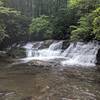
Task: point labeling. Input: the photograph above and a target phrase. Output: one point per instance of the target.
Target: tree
(96, 23)
(36, 8)
(41, 28)
(13, 26)
(88, 28)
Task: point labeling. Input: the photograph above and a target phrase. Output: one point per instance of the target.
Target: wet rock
(98, 57)
(32, 67)
(66, 43)
(45, 89)
(39, 63)
(72, 73)
(6, 95)
(98, 60)
(5, 60)
(17, 52)
(42, 44)
(3, 54)
(37, 44)
(98, 67)
(28, 98)
(46, 44)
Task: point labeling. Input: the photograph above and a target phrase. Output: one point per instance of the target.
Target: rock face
(66, 43)
(98, 57)
(17, 52)
(20, 51)
(98, 60)
(46, 44)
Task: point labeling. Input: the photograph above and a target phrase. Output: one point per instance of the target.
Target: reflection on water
(53, 84)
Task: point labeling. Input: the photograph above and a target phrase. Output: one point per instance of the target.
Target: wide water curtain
(76, 54)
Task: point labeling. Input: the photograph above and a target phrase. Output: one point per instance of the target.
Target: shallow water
(65, 83)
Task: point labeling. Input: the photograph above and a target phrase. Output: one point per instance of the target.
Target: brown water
(51, 84)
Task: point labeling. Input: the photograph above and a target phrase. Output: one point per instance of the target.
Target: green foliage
(41, 27)
(82, 32)
(80, 8)
(96, 23)
(61, 22)
(8, 11)
(88, 28)
(73, 3)
(13, 26)
(9, 17)
(84, 6)
(65, 19)
(57, 19)
(1, 3)
(2, 32)
(36, 8)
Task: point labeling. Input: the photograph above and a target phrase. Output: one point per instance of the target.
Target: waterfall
(33, 51)
(54, 50)
(56, 45)
(29, 50)
(81, 54)
(78, 54)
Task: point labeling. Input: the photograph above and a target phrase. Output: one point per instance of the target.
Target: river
(75, 77)
(51, 84)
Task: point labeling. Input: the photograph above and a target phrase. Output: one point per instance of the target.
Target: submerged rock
(33, 63)
(40, 63)
(28, 98)
(7, 95)
(32, 67)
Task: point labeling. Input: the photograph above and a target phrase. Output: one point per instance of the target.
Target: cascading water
(79, 54)
(29, 50)
(54, 51)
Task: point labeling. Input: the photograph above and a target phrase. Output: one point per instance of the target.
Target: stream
(75, 76)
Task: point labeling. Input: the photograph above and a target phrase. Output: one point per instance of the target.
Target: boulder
(66, 43)
(46, 44)
(98, 57)
(98, 60)
(17, 52)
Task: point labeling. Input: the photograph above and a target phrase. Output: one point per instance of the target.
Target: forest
(72, 20)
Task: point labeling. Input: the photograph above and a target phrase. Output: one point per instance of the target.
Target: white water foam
(81, 54)
(78, 54)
